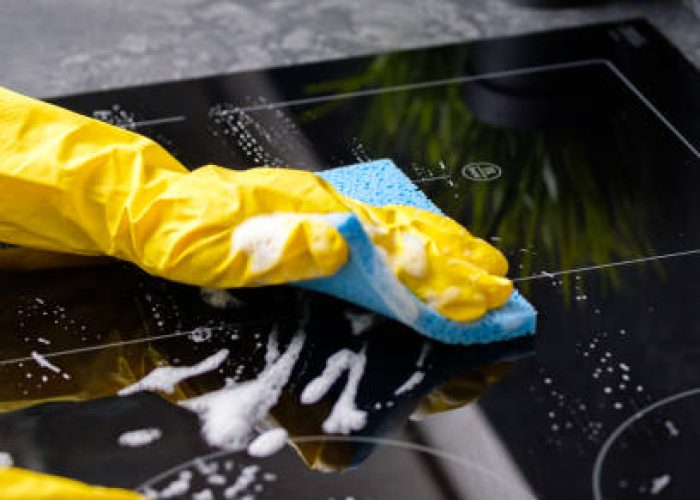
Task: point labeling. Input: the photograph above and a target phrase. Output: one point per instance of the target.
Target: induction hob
(576, 152)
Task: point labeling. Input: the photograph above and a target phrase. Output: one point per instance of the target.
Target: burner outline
(600, 458)
(396, 443)
(494, 74)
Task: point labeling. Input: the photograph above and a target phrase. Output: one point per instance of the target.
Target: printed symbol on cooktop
(481, 171)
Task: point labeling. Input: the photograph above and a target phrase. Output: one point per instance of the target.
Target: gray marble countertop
(50, 48)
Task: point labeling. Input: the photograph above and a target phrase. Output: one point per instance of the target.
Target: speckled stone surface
(51, 47)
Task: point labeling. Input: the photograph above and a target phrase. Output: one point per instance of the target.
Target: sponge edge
(367, 280)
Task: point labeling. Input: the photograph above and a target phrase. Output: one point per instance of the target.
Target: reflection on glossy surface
(557, 153)
(107, 327)
(613, 351)
(569, 193)
(394, 459)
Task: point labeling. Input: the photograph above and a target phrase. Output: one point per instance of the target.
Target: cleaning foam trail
(165, 378)
(230, 414)
(345, 417)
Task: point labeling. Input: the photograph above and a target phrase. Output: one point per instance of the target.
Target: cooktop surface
(575, 152)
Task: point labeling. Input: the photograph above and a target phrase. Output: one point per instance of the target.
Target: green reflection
(562, 202)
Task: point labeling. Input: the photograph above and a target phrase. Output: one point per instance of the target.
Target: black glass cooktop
(576, 152)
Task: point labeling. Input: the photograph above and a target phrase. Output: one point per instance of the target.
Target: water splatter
(359, 322)
(140, 437)
(415, 379)
(658, 484)
(243, 482)
(45, 363)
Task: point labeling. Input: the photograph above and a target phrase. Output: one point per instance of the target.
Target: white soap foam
(424, 351)
(658, 484)
(268, 443)
(140, 437)
(395, 296)
(264, 237)
(272, 353)
(216, 479)
(345, 417)
(359, 322)
(205, 494)
(6, 460)
(449, 294)
(671, 428)
(335, 366)
(412, 381)
(165, 378)
(45, 363)
(229, 415)
(243, 482)
(412, 258)
(177, 487)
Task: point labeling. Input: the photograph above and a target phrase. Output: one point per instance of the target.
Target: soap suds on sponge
(412, 259)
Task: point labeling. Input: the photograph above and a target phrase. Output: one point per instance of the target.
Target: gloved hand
(21, 484)
(77, 185)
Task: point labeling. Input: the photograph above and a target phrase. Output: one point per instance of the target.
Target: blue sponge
(366, 280)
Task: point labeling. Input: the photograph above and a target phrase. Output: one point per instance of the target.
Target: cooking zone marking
(598, 466)
(495, 74)
(462, 461)
(406, 87)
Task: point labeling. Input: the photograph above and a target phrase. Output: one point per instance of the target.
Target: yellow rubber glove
(22, 484)
(72, 184)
